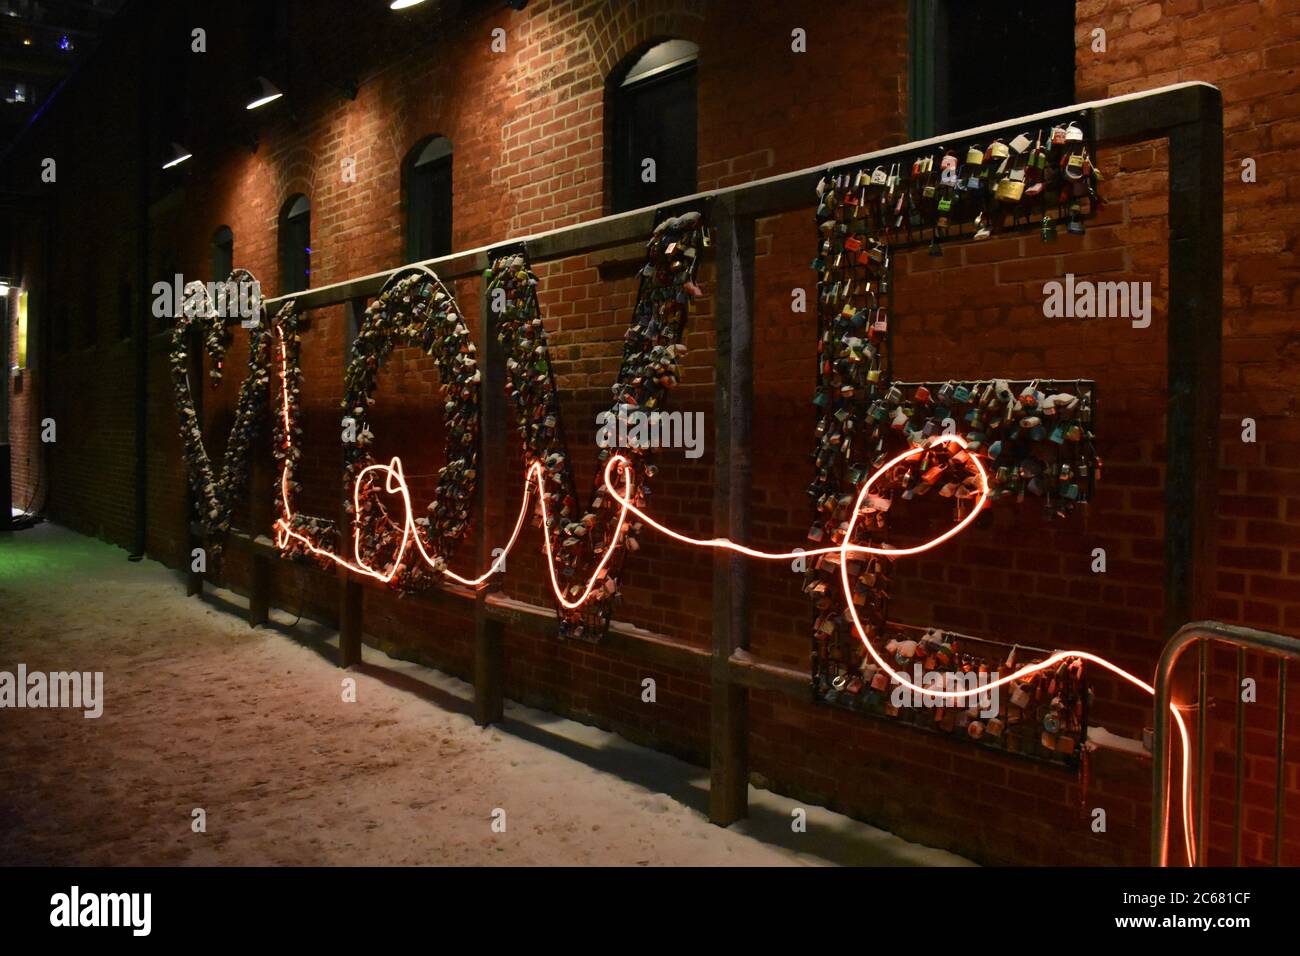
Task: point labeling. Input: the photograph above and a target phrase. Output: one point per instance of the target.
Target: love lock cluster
(1047, 178)
(215, 493)
(588, 543)
(1042, 714)
(288, 435)
(415, 309)
(1009, 440)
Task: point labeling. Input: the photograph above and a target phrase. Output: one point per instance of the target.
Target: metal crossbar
(1189, 115)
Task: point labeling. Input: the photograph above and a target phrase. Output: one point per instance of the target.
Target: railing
(1203, 633)
(1189, 115)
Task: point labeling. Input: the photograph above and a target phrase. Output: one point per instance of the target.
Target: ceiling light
(177, 156)
(265, 92)
(403, 4)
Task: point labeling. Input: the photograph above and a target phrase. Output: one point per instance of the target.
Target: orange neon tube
(395, 483)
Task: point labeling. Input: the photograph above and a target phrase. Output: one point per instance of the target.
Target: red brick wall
(527, 128)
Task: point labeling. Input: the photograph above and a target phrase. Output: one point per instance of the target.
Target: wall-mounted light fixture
(176, 156)
(263, 92)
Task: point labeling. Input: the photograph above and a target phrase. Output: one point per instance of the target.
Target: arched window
(652, 128)
(223, 253)
(295, 244)
(427, 176)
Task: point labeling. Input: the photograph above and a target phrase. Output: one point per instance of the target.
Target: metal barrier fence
(1203, 633)
(1189, 115)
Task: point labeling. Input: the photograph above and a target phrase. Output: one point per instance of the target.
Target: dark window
(977, 63)
(428, 200)
(223, 254)
(295, 245)
(654, 117)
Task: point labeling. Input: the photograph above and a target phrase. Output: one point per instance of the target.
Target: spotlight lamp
(264, 92)
(176, 156)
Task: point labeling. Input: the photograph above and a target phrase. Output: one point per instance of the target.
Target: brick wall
(527, 127)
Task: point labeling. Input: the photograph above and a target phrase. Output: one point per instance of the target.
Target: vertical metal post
(1196, 298)
(1241, 758)
(489, 635)
(733, 394)
(1160, 762)
(351, 594)
(1279, 789)
(1202, 720)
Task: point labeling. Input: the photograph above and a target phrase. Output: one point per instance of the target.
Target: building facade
(515, 121)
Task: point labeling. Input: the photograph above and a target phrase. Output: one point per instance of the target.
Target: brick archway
(616, 31)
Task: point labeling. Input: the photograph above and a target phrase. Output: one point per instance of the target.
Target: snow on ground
(202, 712)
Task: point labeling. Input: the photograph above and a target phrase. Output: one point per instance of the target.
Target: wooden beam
(732, 410)
(1133, 116)
(261, 483)
(489, 632)
(1194, 328)
(193, 538)
(351, 595)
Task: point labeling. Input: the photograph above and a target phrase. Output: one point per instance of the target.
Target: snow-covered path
(200, 712)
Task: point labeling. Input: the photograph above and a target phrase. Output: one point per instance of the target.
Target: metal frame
(1202, 633)
(1190, 115)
